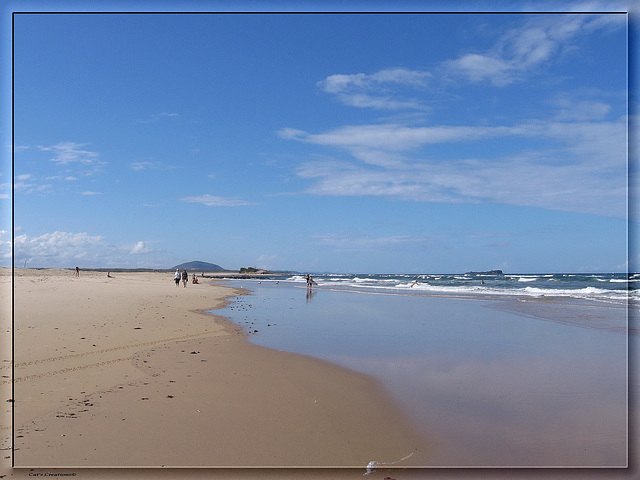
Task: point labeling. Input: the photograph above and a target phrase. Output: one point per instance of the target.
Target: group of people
(310, 281)
(184, 276)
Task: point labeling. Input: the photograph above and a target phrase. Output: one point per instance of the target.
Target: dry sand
(129, 372)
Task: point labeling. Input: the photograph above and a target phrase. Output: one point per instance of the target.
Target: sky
(324, 142)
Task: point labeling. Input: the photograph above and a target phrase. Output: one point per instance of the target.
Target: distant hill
(204, 266)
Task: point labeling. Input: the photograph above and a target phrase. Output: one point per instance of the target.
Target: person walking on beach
(77, 272)
(176, 277)
(185, 278)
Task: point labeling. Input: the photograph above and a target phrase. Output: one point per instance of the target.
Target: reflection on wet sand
(535, 383)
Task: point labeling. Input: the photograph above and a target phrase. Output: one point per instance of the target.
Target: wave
(553, 292)
(588, 287)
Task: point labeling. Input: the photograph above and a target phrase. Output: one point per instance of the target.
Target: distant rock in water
(204, 266)
(488, 272)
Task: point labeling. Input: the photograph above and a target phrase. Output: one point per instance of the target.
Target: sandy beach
(130, 372)
(127, 377)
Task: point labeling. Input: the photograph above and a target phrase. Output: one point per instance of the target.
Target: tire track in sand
(91, 365)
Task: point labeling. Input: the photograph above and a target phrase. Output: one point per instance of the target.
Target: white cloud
(61, 177)
(372, 91)
(73, 163)
(580, 106)
(291, 134)
(396, 137)
(66, 249)
(596, 141)
(348, 243)
(30, 187)
(140, 248)
(5, 246)
(478, 68)
(141, 165)
(69, 152)
(156, 117)
(522, 49)
(58, 248)
(27, 183)
(216, 201)
(582, 168)
(400, 76)
(584, 110)
(516, 181)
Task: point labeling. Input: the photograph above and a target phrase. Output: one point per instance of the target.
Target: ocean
(614, 288)
(526, 370)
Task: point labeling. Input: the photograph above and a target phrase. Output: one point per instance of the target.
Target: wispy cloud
(574, 158)
(156, 117)
(581, 169)
(580, 106)
(372, 90)
(141, 165)
(70, 152)
(477, 68)
(147, 165)
(71, 163)
(597, 140)
(27, 183)
(166, 115)
(216, 201)
(342, 242)
(520, 50)
(67, 178)
(396, 137)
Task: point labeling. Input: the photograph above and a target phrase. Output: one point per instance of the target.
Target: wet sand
(511, 384)
(129, 371)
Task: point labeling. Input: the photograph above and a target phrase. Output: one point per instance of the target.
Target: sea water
(494, 372)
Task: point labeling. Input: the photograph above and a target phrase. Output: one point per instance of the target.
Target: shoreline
(97, 374)
(548, 369)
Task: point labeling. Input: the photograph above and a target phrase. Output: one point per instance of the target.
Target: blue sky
(321, 142)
